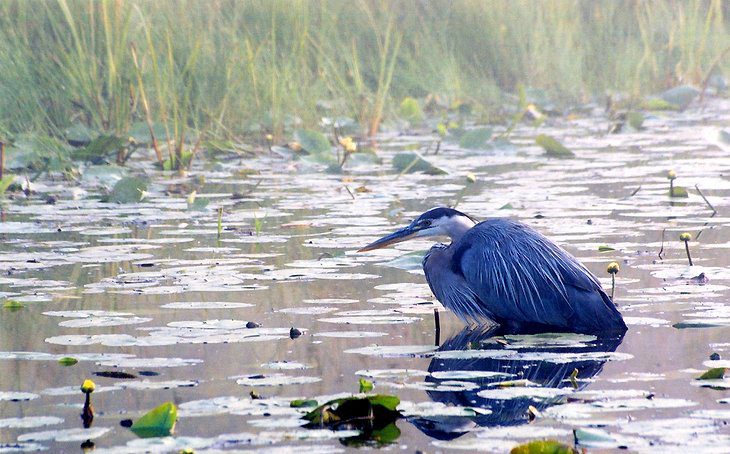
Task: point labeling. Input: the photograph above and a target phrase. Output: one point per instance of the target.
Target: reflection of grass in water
(246, 66)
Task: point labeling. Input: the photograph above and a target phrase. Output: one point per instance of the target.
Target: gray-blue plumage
(503, 271)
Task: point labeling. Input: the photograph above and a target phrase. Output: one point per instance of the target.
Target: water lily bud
(295, 146)
(269, 137)
(685, 236)
(671, 175)
(613, 268)
(88, 386)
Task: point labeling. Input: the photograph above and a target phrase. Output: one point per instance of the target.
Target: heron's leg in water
(437, 326)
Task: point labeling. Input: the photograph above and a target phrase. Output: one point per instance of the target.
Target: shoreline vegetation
(184, 72)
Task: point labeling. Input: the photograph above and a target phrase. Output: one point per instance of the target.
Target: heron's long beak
(403, 234)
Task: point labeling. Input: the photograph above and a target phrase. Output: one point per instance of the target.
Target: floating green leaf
(679, 192)
(543, 447)
(717, 373)
(158, 422)
(680, 96)
(604, 248)
(475, 138)
(299, 403)
(99, 148)
(552, 147)
(181, 162)
(12, 305)
(354, 407)
(410, 110)
(312, 141)
(5, 183)
(365, 385)
(128, 190)
(636, 120)
(659, 104)
(410, 162)
(67, 361)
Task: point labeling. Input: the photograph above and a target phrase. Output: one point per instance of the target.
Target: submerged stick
(661, 249)
(696, 187)
(437, 328)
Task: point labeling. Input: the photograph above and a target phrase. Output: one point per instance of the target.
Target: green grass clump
(228, 68)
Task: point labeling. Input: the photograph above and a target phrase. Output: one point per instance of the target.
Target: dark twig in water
(350, 192)
(696, 187)
(635, 191)
(437, 325)
(438, 147)
(661, 250)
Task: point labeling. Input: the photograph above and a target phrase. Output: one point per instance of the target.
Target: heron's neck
(458, 226)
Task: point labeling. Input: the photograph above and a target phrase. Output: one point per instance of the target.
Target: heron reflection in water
(485, 356)
(502, 271)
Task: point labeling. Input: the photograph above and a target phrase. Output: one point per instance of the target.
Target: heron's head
(434, 222)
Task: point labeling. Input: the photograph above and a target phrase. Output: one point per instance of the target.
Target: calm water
(149, 289)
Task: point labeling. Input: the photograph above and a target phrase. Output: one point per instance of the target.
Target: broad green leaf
(5, 183)
(99, 148)
(128, 190)
(158, 422)
(312, 141)
(67, 361)
(298, 403)
(680, 96)
(386, 401)
(365, 385)
(659, 104)
(636, 120)
(408, 162)
(475, 138)
(604, 248)
(12, 305)
(410, 110)
(386, 435)
(679, 192)
(717, 373)
(543, 447)
(552, 147)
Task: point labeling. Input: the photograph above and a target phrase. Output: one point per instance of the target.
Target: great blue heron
(503, 271)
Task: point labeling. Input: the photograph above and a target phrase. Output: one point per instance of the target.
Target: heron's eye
(426, 223)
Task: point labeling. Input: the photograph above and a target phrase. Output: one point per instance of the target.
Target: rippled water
(149, 289)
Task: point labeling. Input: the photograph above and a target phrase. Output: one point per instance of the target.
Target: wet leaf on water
(5, 183)
(312, 141)
(12, 305)
(100, 148)
(67, 361)
(377, 410)
(299, 403)
(158, 422)
(679, 192)
(680, 96)
(410, 110)
(605, 249)
(543, 447)
(636, 120)
(552, 147)
(475, 138)
(128, 190)
(365, 385)
(716, 373)
(411, 162)
(592, 437)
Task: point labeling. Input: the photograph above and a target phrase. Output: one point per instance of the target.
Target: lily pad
(475, 138)
(158, 422)
(543, 447)
(411, 162)
(552, 147)
(128, 190)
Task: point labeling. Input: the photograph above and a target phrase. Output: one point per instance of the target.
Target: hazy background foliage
(237, 67)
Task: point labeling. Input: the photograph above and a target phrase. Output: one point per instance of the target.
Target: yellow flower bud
(685, 236)
(88, 386)
(269, 137)
(348, 144)
(671, 175)
(613, 268)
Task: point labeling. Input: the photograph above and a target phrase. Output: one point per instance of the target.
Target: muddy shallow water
(150, 289)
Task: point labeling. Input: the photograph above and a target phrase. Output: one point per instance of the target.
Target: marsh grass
(255, 67)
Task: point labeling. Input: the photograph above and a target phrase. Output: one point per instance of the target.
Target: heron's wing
(522, 276)
(450, 288)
